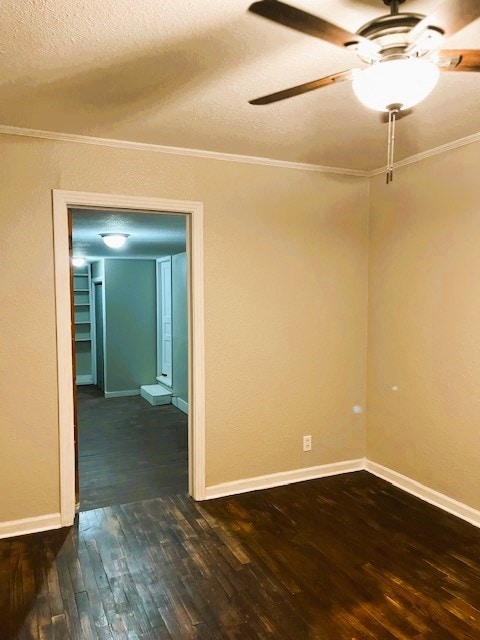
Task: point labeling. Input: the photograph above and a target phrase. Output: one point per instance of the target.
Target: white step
(155, 394)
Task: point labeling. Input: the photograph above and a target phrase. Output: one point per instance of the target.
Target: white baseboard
(30, 525)
(413, 487)
(282, 478)
(122, 394)
(84, 380)
(180, 404)
(425, 493)
(36, 524)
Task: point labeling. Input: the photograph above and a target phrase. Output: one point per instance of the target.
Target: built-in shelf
(82, 304)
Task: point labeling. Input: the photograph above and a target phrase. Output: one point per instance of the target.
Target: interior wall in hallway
(98, 268)
(130, 313)
(179, 327)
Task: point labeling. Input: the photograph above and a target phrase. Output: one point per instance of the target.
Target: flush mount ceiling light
(78, 262)
(401, 50)
(114, 240)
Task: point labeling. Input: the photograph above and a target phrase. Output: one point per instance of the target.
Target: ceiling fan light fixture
(401, 81)
(114, 240)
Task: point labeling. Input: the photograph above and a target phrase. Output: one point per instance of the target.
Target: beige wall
(424, 323)
(285, 294)
(285, 308)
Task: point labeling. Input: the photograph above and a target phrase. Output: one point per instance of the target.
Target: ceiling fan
(401, 52)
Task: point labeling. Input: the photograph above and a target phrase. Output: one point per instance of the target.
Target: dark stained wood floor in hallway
(128, 449)
(341, 558)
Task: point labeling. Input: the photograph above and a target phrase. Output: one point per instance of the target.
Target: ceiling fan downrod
(393, 4)
(393, 110)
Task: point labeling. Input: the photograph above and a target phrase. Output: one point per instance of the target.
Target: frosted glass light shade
(404, 82)
(78, 262)
(114, 240)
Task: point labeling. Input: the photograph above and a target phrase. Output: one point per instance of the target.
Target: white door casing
(62, 201)
(164, 311)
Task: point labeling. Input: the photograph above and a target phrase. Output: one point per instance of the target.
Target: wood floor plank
(129, 450)
(343, 558)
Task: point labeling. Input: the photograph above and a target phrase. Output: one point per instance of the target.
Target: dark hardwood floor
(128, 449)
(342, 558)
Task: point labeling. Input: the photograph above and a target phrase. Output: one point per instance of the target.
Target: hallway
(129, 450)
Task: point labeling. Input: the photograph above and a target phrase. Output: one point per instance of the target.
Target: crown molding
(461, 142)
(231, 157)
(179, 151)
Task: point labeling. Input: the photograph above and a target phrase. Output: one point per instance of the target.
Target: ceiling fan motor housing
(391, 33)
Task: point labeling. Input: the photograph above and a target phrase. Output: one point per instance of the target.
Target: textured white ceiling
(180, 73)
(150, 235)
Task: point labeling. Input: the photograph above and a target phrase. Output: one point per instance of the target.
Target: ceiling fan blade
(450, 17)
(304, 88)
(459, 60)
(305, 22)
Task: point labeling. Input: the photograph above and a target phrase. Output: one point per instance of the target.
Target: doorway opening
(131, 355)
(111, 338)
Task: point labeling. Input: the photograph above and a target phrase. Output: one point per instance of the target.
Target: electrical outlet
(307, 443)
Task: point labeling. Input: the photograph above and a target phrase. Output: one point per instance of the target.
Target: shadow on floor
(27, 565)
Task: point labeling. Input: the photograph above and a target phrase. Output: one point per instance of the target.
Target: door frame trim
(159, 287)
(93, 307)
(62, 201)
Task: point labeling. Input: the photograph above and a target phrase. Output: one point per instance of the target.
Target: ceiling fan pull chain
(389, 143)
(393, 110)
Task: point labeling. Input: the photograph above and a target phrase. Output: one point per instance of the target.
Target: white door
(164, 292)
